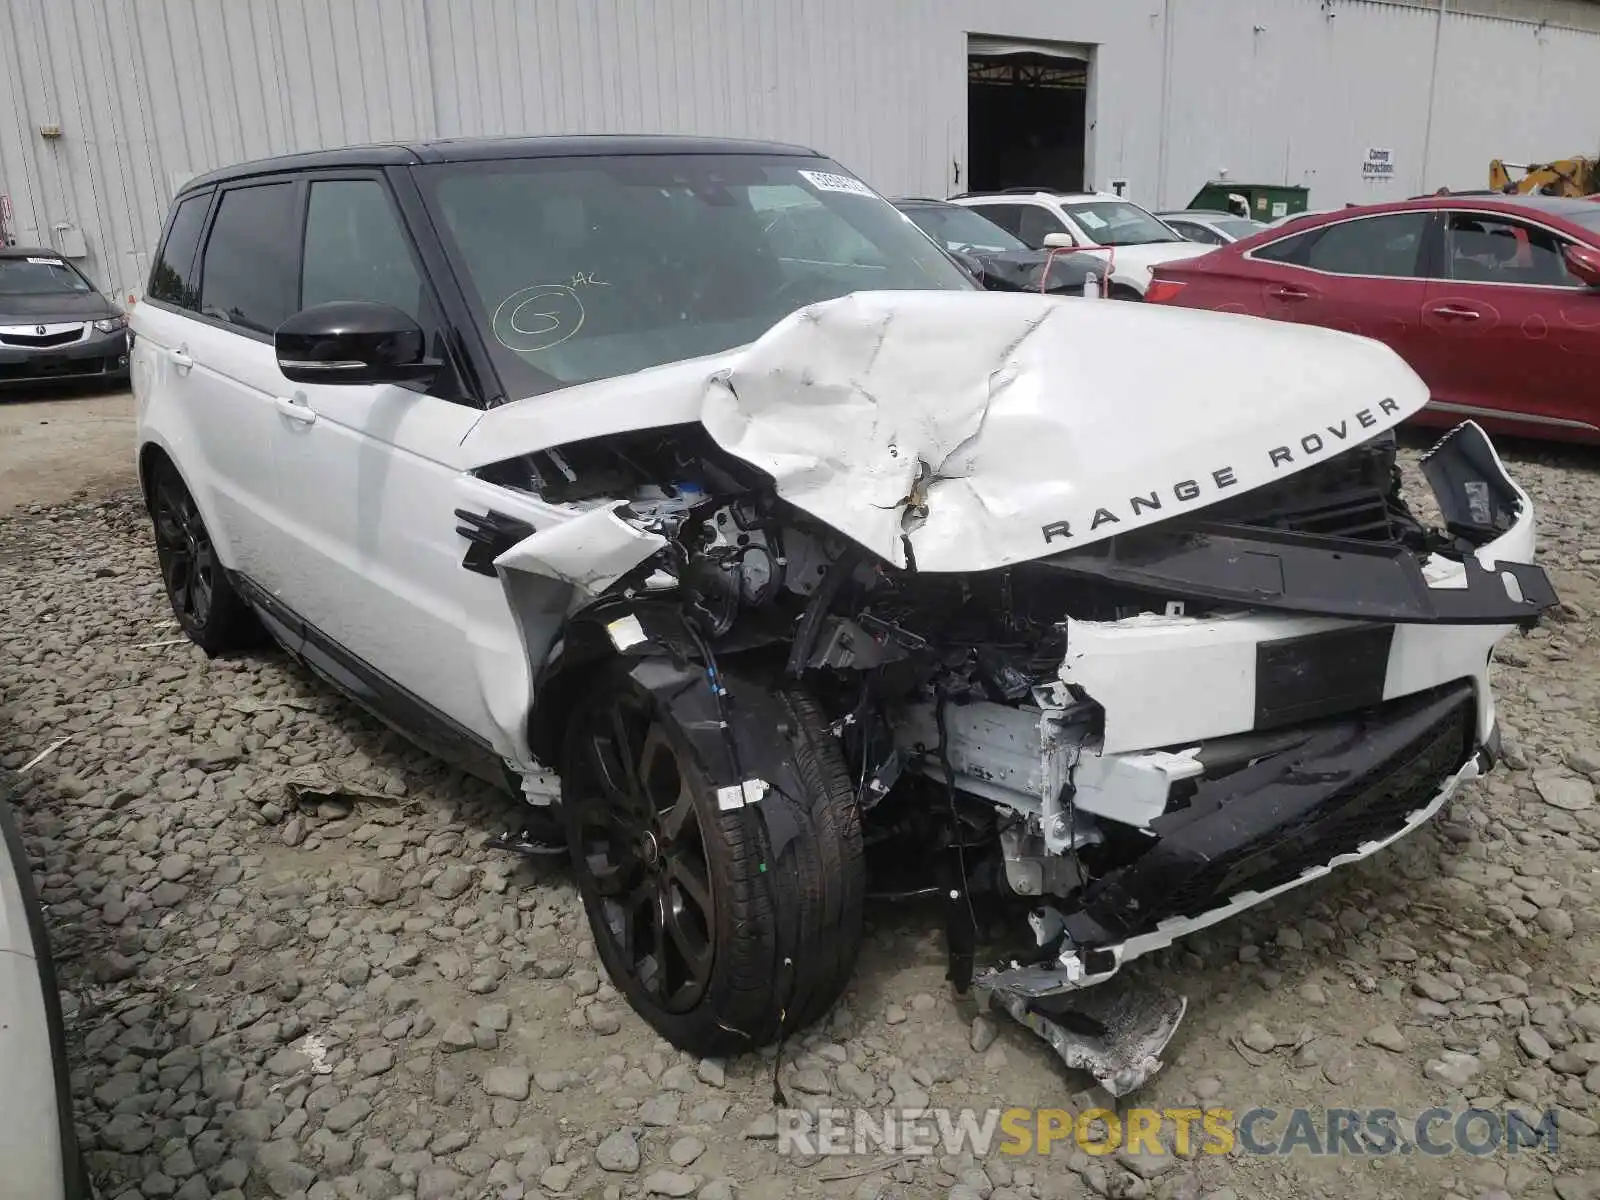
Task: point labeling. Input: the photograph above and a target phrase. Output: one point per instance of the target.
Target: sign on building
(1378, 167)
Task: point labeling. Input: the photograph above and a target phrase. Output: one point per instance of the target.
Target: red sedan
(1493, 300)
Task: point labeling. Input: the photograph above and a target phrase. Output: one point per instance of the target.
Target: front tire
(718, 943)
(214, 616)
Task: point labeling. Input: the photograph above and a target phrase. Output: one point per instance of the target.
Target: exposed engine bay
(966, 706)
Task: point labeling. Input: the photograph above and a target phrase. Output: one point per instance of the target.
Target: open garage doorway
(1027, 110)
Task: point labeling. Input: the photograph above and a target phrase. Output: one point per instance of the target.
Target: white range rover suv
(756, 571)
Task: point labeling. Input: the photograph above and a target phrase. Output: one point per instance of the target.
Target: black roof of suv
(403, 154)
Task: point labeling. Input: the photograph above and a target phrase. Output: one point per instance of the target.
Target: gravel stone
(510, 1082)
(1388, 1037)
(557, 1177)
(685, 1151)
(660, 1111)
(375, 1062)
(439, 1183)
(452, 882)
(619, 1152)
(1564, 791)
(493, 1016)
(1259, 1038)
(1533, 1043)
(668, 1183)
(347, 1114)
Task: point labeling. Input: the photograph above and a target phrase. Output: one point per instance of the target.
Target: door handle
(1289, 293)
(181, 359)
(295, 410)
(1455, 312)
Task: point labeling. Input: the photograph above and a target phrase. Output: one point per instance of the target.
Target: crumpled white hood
(980, 429)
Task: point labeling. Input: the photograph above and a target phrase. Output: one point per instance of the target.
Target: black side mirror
(353, 341)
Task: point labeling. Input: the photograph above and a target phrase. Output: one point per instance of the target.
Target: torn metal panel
(590, 552)
(1116, 1033)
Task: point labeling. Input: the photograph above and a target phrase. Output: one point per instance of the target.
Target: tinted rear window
(250, 274)
(171, 278)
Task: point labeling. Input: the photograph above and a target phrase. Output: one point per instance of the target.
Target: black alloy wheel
(642, 849)
(719, 939)
(213, 615)
(188, 560)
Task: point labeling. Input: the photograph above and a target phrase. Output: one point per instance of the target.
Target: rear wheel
(716, 941)
(215, 617)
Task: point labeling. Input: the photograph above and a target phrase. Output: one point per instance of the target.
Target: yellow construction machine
(1565, 177)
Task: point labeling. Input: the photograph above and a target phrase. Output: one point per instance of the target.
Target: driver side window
(355, 249)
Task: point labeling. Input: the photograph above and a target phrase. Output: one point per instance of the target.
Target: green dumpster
(1267, 201)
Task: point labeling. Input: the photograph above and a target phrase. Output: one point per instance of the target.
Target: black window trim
(463, 392)
(210, 194)
(481, 385)
(295, 179)
(1427, 250)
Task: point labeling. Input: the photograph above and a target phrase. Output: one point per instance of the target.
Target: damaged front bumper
(1117, 1033)
(1258, 751)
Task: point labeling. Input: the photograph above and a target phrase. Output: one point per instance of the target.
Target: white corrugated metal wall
(148, 92)
(1297, 91)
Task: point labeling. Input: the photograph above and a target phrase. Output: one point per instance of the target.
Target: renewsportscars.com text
(1184, 1131)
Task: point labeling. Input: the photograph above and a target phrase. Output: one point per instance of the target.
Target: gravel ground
(366, 1000)
(63, 443)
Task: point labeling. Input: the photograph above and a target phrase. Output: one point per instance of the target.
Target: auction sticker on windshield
(825, 181)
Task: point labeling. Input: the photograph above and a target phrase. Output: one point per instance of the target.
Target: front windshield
(1118, 223)
(39, 277)
(958, 228)
(586, 268)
